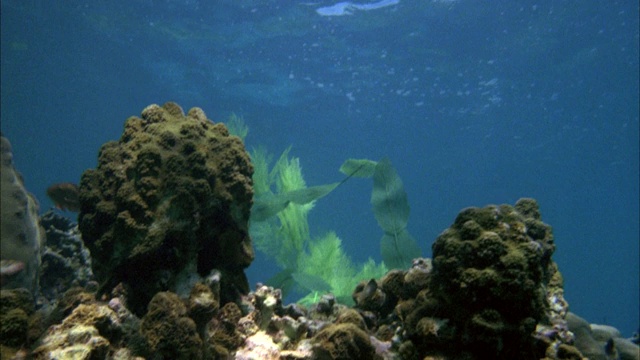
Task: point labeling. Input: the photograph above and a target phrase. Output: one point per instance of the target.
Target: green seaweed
(261, 159)
(399, 249)
(236, 126)
(279, 227)
(270, 205)
(389, 200)
(311, 282)
(305, 196)
(267, 204)
(327, 260)
(279, 224)
(282, 280)
(358, 168)
(391, 209)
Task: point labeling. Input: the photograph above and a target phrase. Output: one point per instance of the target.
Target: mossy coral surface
(168, 202)
(492, 277)
(169, 332)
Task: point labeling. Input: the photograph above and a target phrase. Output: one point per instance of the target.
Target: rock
(14, 325)
(71, 299)
(22, 237)
(202, 305)
(491, 290)
(21, 322)
(167, 204)
(258, 346)
(601, 342)
(169, 332)
(224, 332)
(66, 262)
(493, 277)
(343, 342)
(90, 332)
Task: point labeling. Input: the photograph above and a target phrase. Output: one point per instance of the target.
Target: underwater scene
(320, 179)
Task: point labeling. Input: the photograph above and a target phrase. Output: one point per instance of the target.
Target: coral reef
(86, 334)
(16, 305)
(600, 342)
(168, 232)
(343, 342)
(168, 330)
(22, 237)
(167, 204)
(261, 327)
(66, 262)
(491, 289)
(493, 278)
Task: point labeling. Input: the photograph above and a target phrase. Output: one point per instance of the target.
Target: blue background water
(474, 102)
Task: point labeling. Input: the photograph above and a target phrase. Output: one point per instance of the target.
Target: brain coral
(493, 277)
(168, 203)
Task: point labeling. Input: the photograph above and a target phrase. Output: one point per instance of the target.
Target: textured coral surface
(492, 271)
(491, 291)
(66, 262)
(167, 203)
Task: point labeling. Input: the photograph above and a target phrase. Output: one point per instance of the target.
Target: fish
(65, 196)
(9, 268)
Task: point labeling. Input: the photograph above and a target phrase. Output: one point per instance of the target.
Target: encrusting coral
(492, 289)
(167, 204)
(169, 331)
(492, 272)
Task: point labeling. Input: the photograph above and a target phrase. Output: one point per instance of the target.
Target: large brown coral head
(167, 202)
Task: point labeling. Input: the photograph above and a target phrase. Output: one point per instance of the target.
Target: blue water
(474, 102)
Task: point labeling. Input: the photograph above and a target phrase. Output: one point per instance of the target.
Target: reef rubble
(407, 314)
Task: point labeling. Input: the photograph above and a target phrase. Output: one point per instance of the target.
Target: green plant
(279, 227)
(391, 209)
(236, 126)
(279, 224)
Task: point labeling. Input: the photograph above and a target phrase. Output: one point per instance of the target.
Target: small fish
(8, 268)
(65, 196)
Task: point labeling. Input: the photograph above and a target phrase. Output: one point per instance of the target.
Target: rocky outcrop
(494, 280)
(22, 237)
(169, 203)
(491, 291)
(66, 262)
